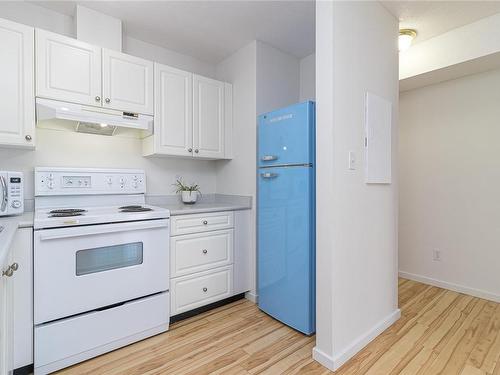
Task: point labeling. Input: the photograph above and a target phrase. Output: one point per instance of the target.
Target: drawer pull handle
(205, 290)
(205, 251)
(205, 222)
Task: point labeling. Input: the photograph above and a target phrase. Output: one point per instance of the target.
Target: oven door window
(108, 258)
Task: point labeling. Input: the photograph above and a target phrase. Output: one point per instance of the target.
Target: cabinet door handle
(196, 150)
(205, 290)
(14, 266)
(107, 100)
(205, 222)
(28, 137)
(97, 98)
(205, 251)
(190, 149)
(8, 273)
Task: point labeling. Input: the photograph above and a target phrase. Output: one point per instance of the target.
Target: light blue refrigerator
(286, 215)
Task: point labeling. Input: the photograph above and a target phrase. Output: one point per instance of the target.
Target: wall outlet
(436, 255)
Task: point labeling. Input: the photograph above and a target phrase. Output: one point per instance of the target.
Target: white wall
(449, 184)
(58, 148)
(238, 175)
(69, 149)
(357, 223)
(308, 78)
(278, 78)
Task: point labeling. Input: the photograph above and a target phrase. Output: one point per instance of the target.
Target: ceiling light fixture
(405, 39)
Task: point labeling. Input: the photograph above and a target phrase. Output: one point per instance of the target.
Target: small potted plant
(189, 193)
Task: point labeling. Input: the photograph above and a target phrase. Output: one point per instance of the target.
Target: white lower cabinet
(16, 304)
(201, 260)
(190, 292)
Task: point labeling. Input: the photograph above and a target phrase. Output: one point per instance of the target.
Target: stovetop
(68, 216)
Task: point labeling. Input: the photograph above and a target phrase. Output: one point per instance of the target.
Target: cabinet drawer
(190, 292)
(185, 224)
(201, 251)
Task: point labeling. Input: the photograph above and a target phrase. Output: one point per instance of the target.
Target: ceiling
(210, 30)
(432, 18)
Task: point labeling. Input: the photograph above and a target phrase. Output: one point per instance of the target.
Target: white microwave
(11, 193)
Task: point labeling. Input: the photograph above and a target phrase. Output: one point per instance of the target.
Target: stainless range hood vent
(91, 128)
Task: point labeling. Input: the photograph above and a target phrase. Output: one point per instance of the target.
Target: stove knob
(50, 185)
(109, 180)
(16, 204)
(80, 182)
(50, 176)
(135, 178)
(135, 185)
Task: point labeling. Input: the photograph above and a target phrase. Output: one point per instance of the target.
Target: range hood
(90, 119)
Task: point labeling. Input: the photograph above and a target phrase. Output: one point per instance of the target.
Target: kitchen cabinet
(6, 317)
(17, 98)
(127, 82)
(173, 125)
(16, 284)
(70, 70)
(22, 284)
(201, 259)
(208, 117)
(193, 116)
(67, 69)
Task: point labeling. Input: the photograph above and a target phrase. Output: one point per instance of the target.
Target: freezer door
(286, 245)
(286, 136)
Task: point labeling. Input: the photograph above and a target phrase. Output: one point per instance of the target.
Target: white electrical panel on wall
(378, 141)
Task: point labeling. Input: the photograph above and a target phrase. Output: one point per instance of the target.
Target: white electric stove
(101, 264)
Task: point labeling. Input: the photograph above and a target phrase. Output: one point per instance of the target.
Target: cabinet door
(6, 320)
(173, 125)
(17, 97)
(22, 283)
(127, 82)
(67, 69)
(208, 117)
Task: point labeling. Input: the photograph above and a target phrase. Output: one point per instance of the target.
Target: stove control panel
(75, 181)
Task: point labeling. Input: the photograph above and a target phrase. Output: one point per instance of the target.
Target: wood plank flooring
(440, 332)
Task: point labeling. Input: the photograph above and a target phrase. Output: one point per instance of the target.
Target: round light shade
(406, 38)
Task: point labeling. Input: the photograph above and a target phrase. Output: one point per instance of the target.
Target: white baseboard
(451, 286)
(334, 363)
(252, 297)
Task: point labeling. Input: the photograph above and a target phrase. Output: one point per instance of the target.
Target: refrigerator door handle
(269, 175)
(269, 157)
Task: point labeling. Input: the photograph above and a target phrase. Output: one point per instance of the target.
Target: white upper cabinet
(127, 82)
(74, 71)
(17, 98)
(67, 69)
(173, 125)
(208, 117)
(193, 116)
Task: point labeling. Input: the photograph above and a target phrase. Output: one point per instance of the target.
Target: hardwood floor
(440, 332)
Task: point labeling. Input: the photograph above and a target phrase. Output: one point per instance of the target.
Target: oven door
(80, 269)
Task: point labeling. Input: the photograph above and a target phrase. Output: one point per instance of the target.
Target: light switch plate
(352, 160)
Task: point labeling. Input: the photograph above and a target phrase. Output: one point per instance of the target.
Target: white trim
(324, 359)
(451, 286)
(252, 297)
(334, 363)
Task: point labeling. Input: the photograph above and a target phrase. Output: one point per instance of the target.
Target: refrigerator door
(286, 136)
(286, 245)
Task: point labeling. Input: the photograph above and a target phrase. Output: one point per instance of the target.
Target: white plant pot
(189, 197)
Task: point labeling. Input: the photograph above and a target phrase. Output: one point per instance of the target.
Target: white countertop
(10, 225)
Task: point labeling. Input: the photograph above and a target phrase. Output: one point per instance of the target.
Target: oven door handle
(101, 229)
